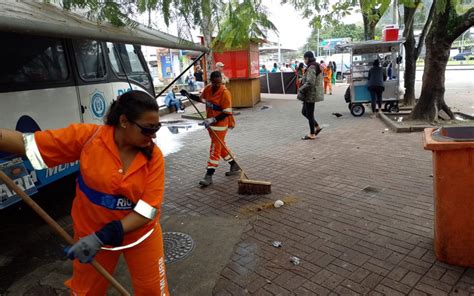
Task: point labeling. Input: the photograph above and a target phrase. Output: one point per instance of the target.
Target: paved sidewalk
(359, 213)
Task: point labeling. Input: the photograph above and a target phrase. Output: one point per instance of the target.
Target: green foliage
(244, 22)
(116, 12)
(339, 30)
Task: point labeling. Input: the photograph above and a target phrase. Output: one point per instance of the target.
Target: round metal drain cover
(177, 246)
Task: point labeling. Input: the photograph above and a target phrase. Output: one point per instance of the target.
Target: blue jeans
(177, 104)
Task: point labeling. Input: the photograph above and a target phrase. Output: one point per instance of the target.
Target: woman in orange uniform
(119, 192)
(219, 119)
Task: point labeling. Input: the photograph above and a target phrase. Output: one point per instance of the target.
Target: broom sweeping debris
(246, 185)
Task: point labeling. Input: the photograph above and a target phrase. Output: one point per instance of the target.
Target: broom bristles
(250, 187)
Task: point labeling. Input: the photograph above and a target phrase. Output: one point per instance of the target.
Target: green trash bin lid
(454, 134)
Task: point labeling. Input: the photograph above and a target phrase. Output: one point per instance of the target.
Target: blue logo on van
(98, 104)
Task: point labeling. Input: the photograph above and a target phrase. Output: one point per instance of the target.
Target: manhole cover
(177, 246)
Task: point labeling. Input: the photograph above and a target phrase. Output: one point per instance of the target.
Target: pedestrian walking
(310, 92)
(119, 192)
(219, 119)
(376, 87)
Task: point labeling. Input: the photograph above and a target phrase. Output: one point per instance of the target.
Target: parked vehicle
(464, 56)
(59, 68)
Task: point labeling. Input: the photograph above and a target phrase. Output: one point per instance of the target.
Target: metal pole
(268, 83)
(317, 48)
(395, 12)
(282, 83)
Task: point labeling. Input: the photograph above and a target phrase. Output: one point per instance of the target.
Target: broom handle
(58, 229)
(219, 140)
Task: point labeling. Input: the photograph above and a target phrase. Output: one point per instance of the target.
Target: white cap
(219, 64)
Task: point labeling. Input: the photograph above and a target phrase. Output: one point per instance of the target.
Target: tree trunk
(365, 18)
(410, 57)
(437, 55)
(207, 30)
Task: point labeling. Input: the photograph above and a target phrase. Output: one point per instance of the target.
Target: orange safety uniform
(141, 186)
(327, 79)
(223, 100)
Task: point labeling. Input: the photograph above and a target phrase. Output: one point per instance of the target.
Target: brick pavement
(351, 241)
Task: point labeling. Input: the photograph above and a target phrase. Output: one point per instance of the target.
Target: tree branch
(464, 21)
(426, 28)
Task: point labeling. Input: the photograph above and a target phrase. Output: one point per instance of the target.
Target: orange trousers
(217, 151)
(145, 262)
(327, 83)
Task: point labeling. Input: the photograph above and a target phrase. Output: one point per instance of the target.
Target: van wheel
(357, 110)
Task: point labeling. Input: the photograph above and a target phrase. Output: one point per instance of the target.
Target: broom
(246, 186)
(58, 229)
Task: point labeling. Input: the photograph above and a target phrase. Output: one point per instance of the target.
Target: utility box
(453, 175)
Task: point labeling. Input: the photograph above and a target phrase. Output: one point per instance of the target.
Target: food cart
(363, 55)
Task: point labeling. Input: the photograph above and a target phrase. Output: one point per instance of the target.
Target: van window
(130, 58)
(112, 53)
(31, 59)
(89, 59)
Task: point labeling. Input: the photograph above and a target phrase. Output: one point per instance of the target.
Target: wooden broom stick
(59, 230)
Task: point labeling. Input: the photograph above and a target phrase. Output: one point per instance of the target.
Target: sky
(293, 29)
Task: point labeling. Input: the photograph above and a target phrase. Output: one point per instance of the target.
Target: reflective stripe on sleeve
(218, 128)
(227, 110)
(145, 210)
(33, 153)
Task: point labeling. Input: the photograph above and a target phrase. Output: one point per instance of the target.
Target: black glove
(184, 92)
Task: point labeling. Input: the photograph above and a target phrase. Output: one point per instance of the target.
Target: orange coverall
(327, 79)
(222, 99)
(101, 171)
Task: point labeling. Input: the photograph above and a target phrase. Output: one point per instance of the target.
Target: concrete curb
(393, 125)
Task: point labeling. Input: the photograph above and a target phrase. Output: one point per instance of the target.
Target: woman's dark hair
(132, 104)
(301, 66)
(275, 65)
(216, 74)
(376, 63)
(310, 56)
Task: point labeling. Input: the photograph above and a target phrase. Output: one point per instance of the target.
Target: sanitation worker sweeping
(219, 119)
(119, 192)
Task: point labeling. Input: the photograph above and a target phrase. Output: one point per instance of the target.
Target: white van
(56, 71)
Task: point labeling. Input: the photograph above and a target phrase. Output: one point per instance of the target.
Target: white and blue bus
(58, 68)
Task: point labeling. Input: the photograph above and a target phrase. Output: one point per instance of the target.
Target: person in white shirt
(220, 68)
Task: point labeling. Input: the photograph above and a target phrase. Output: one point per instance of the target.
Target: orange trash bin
(453, 176)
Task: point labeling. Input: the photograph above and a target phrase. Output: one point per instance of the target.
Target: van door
(94, 90)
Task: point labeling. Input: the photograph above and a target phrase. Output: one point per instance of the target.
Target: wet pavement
(358, 212)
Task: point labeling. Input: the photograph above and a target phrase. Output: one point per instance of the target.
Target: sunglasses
(148, 131)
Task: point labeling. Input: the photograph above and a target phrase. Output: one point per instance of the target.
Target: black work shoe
(206, 181)
(234, 170)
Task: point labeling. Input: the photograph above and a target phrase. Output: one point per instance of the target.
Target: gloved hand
(209, 105)
(87, 247)
(207, 122)
(184, 93)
